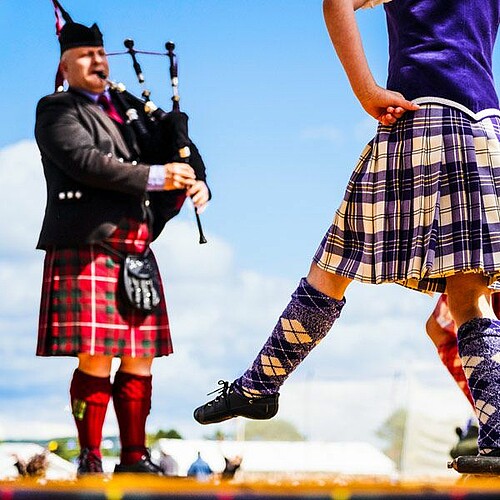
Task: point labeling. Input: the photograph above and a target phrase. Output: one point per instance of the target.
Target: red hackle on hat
(61, 15)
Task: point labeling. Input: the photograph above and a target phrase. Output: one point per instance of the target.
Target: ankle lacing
(223, 391)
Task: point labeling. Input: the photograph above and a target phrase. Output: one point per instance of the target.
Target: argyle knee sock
(479, 348)
(448, 352)
(89, 401)
(132, 402)
(307, 318)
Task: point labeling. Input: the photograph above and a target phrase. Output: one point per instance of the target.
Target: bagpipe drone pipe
(162, 136)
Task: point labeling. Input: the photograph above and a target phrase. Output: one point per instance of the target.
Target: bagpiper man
(102, 296)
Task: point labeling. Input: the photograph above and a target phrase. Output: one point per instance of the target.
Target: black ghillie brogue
(142, 466)
(231, 403)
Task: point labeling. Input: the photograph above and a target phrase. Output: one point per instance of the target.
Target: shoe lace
(223, 391)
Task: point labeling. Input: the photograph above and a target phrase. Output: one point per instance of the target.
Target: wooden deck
(132, 487)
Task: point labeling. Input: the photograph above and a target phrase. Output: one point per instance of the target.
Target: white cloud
(322, 133)
(23, 197)
(220, 316)
(20, 278)
(365, 129)
(362, 132)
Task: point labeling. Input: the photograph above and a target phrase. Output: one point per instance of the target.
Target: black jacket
(93, 172)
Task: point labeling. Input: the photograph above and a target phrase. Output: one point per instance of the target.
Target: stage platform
(140, 487)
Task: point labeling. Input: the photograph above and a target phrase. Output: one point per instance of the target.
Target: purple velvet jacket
(443, 49)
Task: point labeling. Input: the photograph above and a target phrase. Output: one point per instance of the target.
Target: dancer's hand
(386, 106)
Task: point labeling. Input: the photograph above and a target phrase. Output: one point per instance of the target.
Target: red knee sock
(448, 352)
(89, 400)
(132, 402)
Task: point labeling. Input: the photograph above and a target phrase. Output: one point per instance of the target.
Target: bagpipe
(162, 136)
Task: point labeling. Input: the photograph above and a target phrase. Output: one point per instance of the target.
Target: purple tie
(109, 108)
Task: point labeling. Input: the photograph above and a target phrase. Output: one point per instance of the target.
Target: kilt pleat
(422, 203)
(82, 309)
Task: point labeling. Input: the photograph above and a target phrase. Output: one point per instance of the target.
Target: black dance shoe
(142, 466)
(88, 463)
(229, 403)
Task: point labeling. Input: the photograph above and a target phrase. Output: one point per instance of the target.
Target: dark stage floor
(129, 487)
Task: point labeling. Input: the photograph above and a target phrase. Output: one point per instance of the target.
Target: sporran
(140, 282)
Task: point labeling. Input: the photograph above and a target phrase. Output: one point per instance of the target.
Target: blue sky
(280, 131)
(268, 103)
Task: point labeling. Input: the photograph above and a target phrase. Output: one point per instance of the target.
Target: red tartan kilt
(83, 311)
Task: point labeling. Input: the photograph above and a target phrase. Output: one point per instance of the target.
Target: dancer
(421, 208)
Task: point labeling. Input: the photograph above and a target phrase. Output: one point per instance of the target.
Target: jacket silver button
(62, 196)
(109, 155)
(147, 203)
(120, 160)
(134, 163)
(78, 194)
(69, 194)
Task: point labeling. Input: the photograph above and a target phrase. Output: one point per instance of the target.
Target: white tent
(353, 458)
(434, 404)
(433, 413)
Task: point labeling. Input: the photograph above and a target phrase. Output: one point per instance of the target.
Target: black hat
(77, 35)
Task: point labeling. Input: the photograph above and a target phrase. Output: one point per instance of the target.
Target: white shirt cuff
(156, 179)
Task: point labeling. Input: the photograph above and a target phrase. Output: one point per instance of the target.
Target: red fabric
(59, 25)
(82, 309)
(132, 402)
(58, 15)
(448, 352)
(110, 109)
(89, 400)
(443, 316)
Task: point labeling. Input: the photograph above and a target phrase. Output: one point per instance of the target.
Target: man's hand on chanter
(178, 176)
(199, 194)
